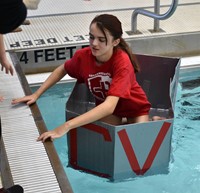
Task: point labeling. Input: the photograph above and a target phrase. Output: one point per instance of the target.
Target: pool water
(184, 168)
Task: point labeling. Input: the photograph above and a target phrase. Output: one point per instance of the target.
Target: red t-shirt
(116, 77)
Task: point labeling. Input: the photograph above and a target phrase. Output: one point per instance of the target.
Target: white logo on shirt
(99, 85)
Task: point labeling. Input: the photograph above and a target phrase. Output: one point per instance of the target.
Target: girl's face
(101, 49)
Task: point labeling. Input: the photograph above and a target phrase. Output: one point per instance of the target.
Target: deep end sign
(45, 60)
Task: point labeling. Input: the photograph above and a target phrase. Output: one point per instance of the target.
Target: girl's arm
(104, 109)
(55, 76)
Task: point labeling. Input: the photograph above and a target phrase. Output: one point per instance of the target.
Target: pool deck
(28, 160)
(70, 29)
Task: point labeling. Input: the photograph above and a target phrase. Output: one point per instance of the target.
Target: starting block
(130, 150)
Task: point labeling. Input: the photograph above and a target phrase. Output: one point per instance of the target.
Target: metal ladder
(156, 15)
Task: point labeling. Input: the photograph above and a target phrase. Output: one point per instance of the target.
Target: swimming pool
(184, 168)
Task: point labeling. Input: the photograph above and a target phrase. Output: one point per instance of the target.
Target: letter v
(152, 154)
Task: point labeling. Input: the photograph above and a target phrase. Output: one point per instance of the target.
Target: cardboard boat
(131, 150)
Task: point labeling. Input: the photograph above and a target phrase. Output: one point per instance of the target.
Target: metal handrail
(154, 15)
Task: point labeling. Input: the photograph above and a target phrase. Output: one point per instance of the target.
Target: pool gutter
(55, 163)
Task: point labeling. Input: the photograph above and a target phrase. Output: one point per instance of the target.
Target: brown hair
(113, 25)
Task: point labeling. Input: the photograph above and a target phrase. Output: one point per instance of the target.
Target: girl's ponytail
(125, 47)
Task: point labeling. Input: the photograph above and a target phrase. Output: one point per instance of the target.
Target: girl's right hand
(26, 99)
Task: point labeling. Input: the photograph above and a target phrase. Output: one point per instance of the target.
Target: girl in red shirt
(108, 68)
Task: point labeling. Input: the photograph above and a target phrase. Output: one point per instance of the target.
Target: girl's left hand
(56, 133)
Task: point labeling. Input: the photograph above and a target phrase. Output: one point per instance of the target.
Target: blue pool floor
(184, 168)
